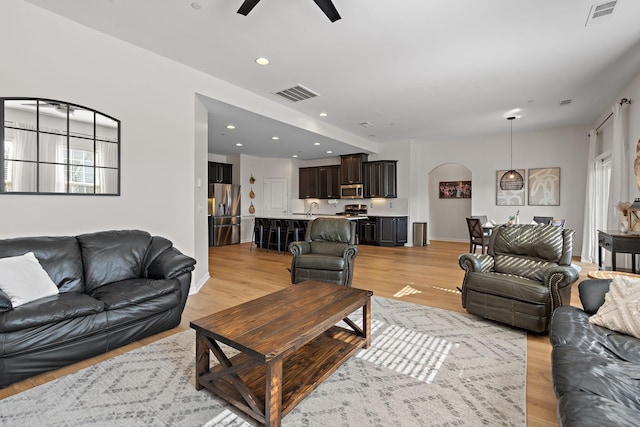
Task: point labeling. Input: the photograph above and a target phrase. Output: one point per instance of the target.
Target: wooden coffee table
(288, 341)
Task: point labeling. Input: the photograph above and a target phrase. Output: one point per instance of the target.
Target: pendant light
(511, 180)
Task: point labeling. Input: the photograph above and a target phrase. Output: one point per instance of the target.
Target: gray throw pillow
(592, 294)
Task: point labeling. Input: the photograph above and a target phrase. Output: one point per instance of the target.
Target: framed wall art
(544, 187)
(455, 189)
(509, 197)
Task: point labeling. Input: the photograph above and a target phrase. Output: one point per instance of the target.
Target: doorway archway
(447, 215)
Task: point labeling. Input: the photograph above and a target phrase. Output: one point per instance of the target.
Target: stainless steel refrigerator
(224, 214)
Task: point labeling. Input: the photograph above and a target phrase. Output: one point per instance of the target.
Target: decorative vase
(624, 226)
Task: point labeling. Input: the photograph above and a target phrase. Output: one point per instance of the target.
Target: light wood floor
(239, 275)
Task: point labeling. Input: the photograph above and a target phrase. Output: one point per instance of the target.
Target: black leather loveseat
(115, 287)
(596, 371)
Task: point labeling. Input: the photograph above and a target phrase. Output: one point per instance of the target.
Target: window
(55, 147)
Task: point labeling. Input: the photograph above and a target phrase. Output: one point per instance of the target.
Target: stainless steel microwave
(351, 191)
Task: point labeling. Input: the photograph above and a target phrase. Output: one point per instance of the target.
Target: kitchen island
(266, 234)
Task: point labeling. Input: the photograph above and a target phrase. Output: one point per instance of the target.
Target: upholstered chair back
(525, 250)
(330, 236)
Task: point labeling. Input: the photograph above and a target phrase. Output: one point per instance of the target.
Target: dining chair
(558, 222)
(483, 220)
(476, 235)
(546, 220)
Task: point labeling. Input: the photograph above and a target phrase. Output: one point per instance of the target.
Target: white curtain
(589, 243)
(107, 179)
(24, 173)
(619, 185)
(52, 176)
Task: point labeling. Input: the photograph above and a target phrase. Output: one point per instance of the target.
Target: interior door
(276, 191)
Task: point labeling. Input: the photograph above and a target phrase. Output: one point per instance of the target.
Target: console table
(617, 242)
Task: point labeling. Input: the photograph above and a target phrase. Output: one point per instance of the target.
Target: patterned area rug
(426, 367)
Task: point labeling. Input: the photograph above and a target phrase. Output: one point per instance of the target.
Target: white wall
(448, 216)
(562, 147)
(261, 169)
(48, 56)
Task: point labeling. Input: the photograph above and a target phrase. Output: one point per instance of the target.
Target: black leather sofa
(596, 371)
(115, 287)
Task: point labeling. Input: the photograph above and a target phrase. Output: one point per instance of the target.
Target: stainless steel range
(354, 210)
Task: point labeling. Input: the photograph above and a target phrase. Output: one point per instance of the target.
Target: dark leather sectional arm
(169, 264)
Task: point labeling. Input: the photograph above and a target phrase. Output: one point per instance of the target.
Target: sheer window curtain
(25, 175)
(25, 146)
(107, 179)
(589, 242)
(52, 176)
(619, 185)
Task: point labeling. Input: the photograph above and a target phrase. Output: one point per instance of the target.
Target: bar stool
(295, 231)
(277, 228)
(259, 226)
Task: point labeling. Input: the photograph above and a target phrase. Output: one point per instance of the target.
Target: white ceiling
(426, 70)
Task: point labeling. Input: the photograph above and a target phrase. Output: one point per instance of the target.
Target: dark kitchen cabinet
(308, 183)
(220, 173)
(380, 179)
(329, 182)
(392, 230)
(368, 231)
(351, 168)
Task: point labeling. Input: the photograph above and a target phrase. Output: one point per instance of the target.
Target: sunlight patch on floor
(408, 352)
(227, 418)
(407, 290)
(453, 291)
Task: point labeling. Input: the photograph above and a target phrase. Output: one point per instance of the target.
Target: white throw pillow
(621, 309)
(23, 279)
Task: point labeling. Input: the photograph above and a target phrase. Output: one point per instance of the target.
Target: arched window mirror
(55, 147)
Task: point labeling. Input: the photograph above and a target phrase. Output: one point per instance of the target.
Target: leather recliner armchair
(327, 252)
(524, 276)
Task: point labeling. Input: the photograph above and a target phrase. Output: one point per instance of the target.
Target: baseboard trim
(195, 287)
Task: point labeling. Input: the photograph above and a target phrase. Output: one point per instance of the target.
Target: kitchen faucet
(311, 207)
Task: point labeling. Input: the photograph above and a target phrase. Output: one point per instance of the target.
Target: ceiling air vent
(565, 102)
(297, 93)
(601, 10)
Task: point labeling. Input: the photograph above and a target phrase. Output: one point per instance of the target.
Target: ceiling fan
(325, 5)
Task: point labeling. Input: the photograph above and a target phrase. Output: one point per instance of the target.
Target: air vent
(565, 102)
(297, 93)
(601, 10)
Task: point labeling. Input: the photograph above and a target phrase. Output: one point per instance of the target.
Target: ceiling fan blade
(329, 9)
(247, 6)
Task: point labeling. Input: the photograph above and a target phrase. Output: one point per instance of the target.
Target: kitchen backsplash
(375, 207)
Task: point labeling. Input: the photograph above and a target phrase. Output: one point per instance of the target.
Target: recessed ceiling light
(238, 144)
(316, 143)
(275, 138)
(231, 127)
(295, 155)
(262, 61)
(329, 151)
(323, 114)
(196, 5)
